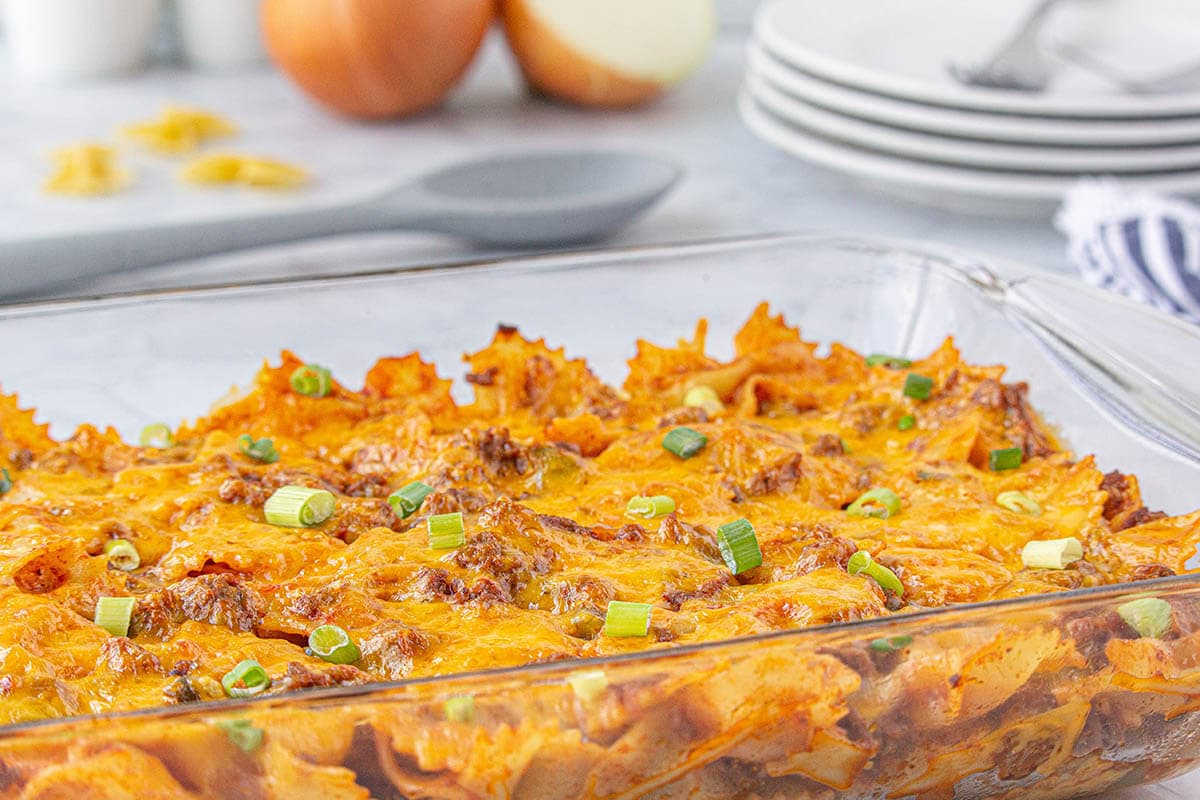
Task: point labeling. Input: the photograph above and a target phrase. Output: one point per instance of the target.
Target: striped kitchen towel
(1144, 245)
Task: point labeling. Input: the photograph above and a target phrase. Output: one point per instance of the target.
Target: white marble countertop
(735, 184)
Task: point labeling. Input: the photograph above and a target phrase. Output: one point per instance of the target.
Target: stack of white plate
(863, 87)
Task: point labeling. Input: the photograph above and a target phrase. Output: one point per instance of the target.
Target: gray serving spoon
(512, 200)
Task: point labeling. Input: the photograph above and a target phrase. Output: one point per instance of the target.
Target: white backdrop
(733, 12)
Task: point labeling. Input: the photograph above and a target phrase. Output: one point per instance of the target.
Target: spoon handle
(30, 264)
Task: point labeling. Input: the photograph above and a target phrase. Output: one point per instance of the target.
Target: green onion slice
(259, 449)
(247, 679)
(312, 380)
(739, 546)
(5, 482)
(122, 555)
(917, 386)
(588, 685)
(1149, 616)
(460, 709)
(113, 614)
(242, 733)
(650, 507)
(907, 422)
(331, 643)
(446, 531)
(406, 500)
(684, 442)
(880, 502)
(891, 362)
(1052, 553)
(890, 644)
(299, 507)
(157, 435)
(1005, 458)
(861, 562)
(627, 619)
(1019, 502)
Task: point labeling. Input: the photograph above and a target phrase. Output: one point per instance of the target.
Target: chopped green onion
(588, 685)
(122, 555)
(917, 386)
(157, 435)
(242, 733)
(1006, 458)
(862, 562)
(650, 507)
(627, 619)
(1052, 553)
(460, 709)
(312, 380)
(739, 546)
(406, 500)
(880, 502)
(890, 644)
(331, 643)
(259, 449)
(907, 423)
(299, 507)
(684, 442)
(247, 679)
(446, 531)
(1149, 616)
(1019, 502)
(113, 614)
(891, 362)
(704, 397)
(5, 482)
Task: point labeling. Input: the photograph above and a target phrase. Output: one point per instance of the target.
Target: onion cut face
(375, 59)
(611, 54)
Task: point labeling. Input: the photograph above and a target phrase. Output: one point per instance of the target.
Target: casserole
(985, 701)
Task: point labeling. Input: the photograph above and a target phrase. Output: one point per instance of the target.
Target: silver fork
(1019, 64)
(1183, 80)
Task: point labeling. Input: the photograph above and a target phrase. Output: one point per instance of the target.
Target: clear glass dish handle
(1138, 364)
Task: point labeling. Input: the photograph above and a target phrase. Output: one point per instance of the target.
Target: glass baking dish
(1012, 699)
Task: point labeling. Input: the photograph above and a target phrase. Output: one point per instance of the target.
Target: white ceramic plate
(969, 124)
(902, 49)
(968, 152)
(956, 188)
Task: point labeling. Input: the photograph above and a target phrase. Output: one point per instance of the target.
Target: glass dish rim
(982, 272)
(529, 672)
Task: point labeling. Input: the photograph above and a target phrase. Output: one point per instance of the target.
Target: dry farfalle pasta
(86, 169)
(90, 169)
(231, 169)
(179, 130)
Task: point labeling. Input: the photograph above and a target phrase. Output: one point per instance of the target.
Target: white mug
(62, 40)
(220, 34)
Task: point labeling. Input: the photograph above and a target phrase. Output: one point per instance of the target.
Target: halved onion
(610, 54)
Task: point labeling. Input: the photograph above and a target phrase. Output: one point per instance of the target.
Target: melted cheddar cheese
(541, 464)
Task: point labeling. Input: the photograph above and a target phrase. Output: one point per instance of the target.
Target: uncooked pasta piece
(179, 130)
(261, 173)
(86, 169)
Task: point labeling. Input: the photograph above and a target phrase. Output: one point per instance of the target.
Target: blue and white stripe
(1143, 246)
